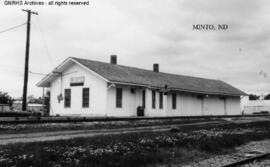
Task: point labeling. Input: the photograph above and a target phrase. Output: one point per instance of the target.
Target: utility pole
(24, 102)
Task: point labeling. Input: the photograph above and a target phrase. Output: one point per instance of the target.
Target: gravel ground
(70, 134)
(263, 163)
(242, 152)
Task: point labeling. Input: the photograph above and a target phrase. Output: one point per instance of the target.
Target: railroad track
(71, 134)
(249, 160)
(63, 119)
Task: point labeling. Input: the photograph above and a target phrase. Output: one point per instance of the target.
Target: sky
(140, 33)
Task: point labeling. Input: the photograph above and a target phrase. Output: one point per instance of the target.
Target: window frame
(119, 97)
(160, 100)
(67, 101)
(153, 99)
(174, 101)
(143, 98)
(85, 98)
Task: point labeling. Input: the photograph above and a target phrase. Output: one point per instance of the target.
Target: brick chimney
(114, 59)
(155, 67)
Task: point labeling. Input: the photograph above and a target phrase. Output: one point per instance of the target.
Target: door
(140, 109)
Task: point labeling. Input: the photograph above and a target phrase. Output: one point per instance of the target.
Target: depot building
(82, 87)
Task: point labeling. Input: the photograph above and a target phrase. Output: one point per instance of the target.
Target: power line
(11, 28)
(11, 19)
(44, 41)
(21, 73)
(36, 73)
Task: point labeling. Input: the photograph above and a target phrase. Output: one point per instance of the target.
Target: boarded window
(119, 95)
(85, 97)
(153, 99)
(67, 98)
(160, 100)
(174, 101)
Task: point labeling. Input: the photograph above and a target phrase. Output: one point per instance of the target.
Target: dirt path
(65, 135)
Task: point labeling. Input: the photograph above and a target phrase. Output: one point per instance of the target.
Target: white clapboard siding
(98, 93)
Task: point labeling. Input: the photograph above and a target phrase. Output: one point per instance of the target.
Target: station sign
(77, 81)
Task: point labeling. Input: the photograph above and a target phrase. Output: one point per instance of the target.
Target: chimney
(113, 59)
(155, 67)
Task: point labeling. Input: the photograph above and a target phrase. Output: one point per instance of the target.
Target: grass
(138, 149)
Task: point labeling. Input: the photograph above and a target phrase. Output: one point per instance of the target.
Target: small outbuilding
(82, 87)
(257, 106)
(34, 107)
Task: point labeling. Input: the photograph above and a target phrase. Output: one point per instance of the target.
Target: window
(67, 98)
(160, 100)
(174, 101)
(119, 95)
(85, 97)
(143, 98)
(153, 99)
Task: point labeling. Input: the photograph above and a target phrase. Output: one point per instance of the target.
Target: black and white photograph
(134, 83)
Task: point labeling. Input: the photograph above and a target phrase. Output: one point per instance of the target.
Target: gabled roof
(136, 76)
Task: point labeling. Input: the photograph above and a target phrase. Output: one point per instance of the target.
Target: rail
(248, 160)
(62, 119)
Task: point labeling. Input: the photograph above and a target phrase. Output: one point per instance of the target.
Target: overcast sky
(143, 32)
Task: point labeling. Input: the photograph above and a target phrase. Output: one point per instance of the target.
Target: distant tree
(33, 99)
(5, 98)
(30, 98)
(254, 97)
(267, 97)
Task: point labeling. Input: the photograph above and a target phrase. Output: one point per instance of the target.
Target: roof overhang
(46, 81)
(170, 89)
(208, 93)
